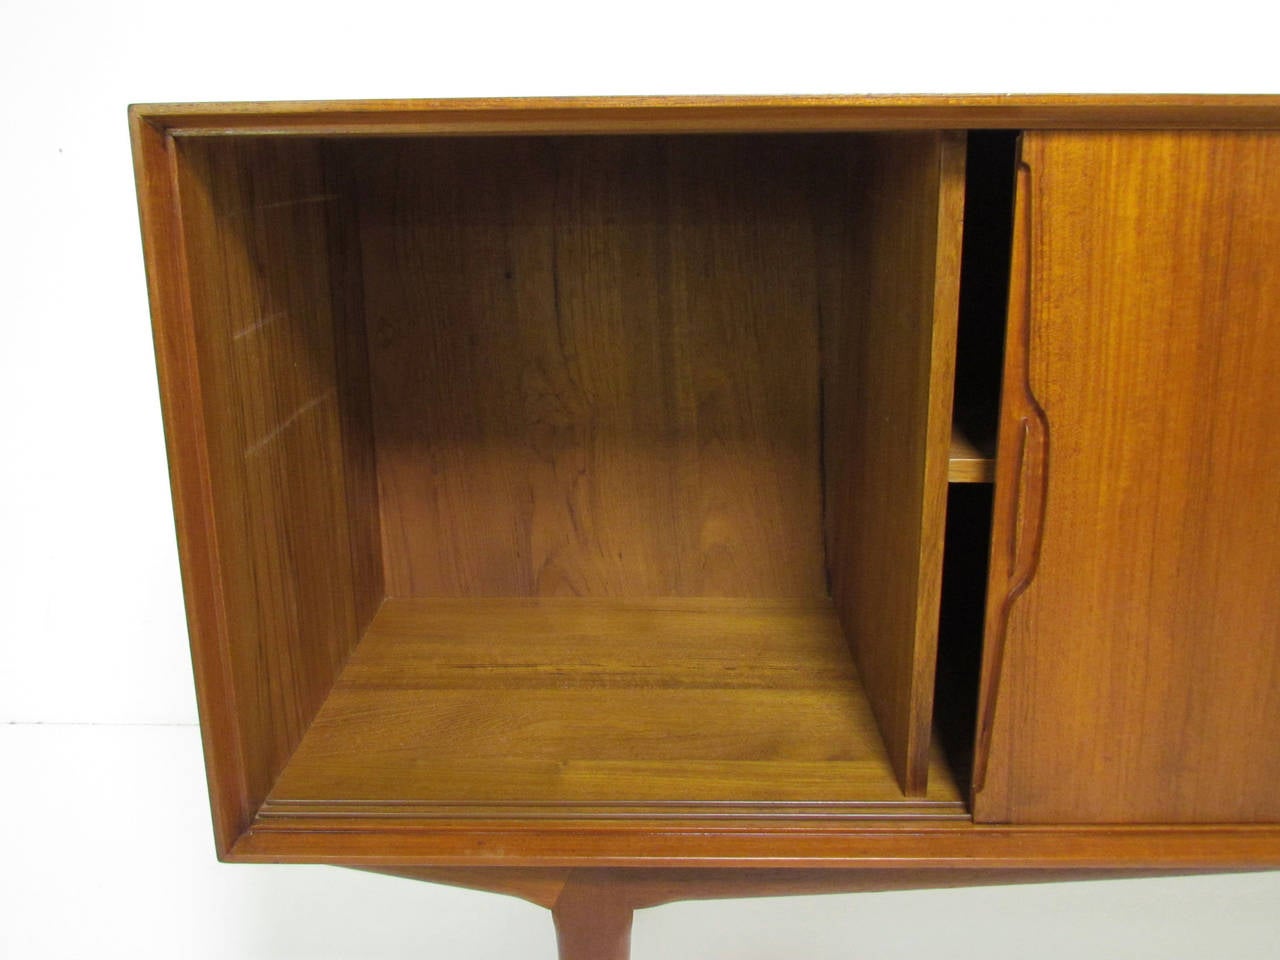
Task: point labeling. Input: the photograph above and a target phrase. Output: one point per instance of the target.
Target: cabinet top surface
(692, 114)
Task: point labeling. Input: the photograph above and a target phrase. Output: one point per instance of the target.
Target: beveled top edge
(715, 114)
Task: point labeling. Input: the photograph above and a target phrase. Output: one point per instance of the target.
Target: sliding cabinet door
(1132, 665)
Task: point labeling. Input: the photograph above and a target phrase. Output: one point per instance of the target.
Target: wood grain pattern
(593, 919)
(544, 707)
(966, 463)
(797, 114)
(592, 908)
(1141, 666)
(595, 366)
(888, 363)
(640, 889)
(186, 439)
(538, 886)
(264, 340)
(745, 842)
(351, 362)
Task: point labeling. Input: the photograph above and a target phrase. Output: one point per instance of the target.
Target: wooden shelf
(532, 707)
(968, 463)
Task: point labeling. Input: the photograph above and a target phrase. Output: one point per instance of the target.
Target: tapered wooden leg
(593, 920)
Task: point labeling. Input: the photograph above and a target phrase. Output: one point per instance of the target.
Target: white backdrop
(105, 845)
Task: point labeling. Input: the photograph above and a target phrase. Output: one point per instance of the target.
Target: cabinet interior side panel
(594, 365)
(888, 359)
(255, 218)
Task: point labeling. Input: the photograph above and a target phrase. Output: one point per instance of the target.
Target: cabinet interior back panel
(595, 363)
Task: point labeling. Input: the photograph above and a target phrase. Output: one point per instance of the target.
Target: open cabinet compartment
(587, 475)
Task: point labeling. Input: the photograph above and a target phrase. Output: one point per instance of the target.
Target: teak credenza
(612, 501)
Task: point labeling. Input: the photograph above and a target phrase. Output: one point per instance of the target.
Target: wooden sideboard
(612, 501)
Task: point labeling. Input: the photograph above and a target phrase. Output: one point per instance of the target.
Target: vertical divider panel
(888, 342)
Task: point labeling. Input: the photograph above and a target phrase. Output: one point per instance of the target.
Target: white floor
(107, 853)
